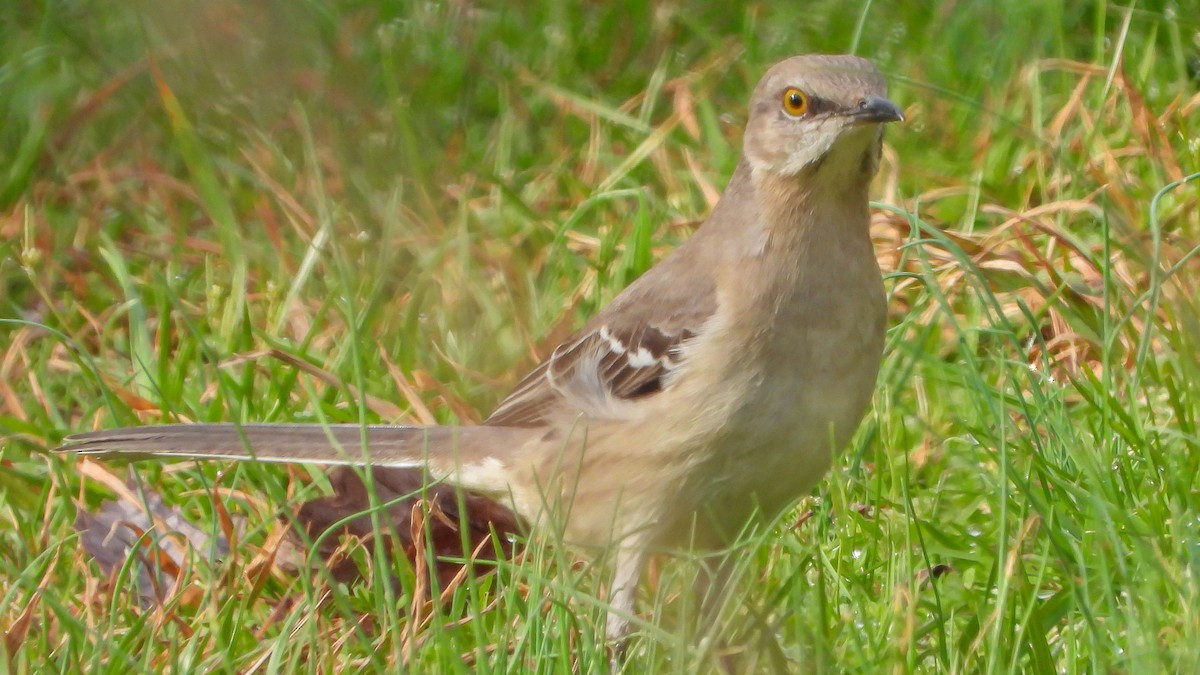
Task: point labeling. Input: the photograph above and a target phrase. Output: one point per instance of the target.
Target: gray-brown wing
(600, 374)
(635, 347)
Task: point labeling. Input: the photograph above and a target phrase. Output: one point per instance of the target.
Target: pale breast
(803, 384)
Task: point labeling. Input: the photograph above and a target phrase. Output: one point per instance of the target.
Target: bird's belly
(805, 397)
(734, 442)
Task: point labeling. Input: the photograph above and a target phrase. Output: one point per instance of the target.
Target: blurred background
(388, 211)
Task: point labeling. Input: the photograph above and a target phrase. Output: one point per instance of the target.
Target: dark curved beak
(876, 110)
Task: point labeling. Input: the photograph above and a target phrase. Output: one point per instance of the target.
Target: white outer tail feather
(453, 454)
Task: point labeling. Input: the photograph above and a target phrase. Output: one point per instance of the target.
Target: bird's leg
(720, 579)
(622, 595)
(713, 584)
(712, 587)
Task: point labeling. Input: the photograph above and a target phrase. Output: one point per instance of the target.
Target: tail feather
(403, 458)
(469, 456)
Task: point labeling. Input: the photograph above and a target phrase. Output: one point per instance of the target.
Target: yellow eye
(795, 102)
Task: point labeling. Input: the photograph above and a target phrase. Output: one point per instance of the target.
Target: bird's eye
(795, 102)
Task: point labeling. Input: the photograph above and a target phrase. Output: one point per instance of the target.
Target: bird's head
(819, 114)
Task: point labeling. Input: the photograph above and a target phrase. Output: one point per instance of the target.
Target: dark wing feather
(597, 374)
(635, 347)
(629, 352)
(527, 403)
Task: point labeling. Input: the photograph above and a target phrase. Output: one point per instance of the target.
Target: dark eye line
(817, 105)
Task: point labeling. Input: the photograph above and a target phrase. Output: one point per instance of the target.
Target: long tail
(402, 460)
(469, 456)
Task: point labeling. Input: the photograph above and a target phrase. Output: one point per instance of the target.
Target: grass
(382, 211)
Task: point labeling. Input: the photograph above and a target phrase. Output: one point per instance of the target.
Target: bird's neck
(790, 224)
(804, 218)
(802, 238)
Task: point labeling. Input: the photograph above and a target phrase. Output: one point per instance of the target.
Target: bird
(712, 393)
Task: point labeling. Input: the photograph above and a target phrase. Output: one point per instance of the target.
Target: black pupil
(795, 100)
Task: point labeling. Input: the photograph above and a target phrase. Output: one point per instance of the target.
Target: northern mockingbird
(714, 390)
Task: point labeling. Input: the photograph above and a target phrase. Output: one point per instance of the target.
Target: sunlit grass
(282, 212)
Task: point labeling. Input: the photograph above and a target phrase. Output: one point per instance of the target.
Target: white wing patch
(603, 374)
(639, 358)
